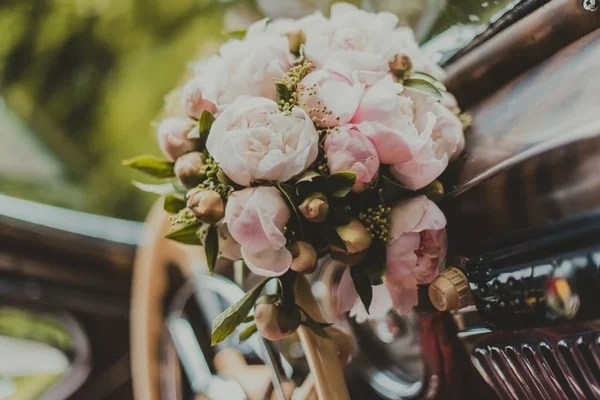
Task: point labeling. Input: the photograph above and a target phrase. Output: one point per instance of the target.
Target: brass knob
(450, 290)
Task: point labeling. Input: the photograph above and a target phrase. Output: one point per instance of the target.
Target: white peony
(246, 67)
(253, 140)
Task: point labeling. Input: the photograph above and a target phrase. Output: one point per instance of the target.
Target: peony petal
(343, 295)
(269, 262)
(392, 146)
(403, 298)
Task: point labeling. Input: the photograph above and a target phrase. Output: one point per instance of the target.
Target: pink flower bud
(305, 261)
(206, 205)
(315, 207)
(193, 102)
(272, 323)
(357, 239)
(348, 149)
(401, 65)
(172, 137)
(188, 169)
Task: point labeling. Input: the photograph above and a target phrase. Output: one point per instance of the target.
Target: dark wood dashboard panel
(533, 151)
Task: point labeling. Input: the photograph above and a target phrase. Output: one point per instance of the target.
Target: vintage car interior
(100, 307)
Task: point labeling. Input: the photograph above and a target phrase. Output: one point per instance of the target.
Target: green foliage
(247, 333)
(362, 285)
(228, 321)
(423, 86)
(88, 81)
(174, 203)
(211, 247)
(340, 183)
(188, 234)
(204, 124)
(150, 165)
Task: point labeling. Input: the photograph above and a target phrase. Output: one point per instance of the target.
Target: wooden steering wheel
(149, 288)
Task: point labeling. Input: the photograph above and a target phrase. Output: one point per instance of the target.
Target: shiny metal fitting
(450, 290)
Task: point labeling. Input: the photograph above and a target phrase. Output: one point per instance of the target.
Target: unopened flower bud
(172, 137)
(401, 65)
(315, 207)
(360, 187)
(206, 205)
(434, 191)
(357, 239)
(295, 39)
(193, 102)
(305, 258)
(273, 323)
(188, 169)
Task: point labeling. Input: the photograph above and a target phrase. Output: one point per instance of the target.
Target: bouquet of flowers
(307, 138)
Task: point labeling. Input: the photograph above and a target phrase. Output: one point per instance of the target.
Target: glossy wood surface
(533, 151)
(529, 41)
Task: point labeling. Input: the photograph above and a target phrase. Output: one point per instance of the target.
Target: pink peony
(172, 137)
(330, 98)
(415, 254)
(253, 140)
(416, 249)
(348, 149)
(344, 298)
(246, 67)
(192, 100)
(386, 117)
(229, 248)
(443, 137)
(256, 219)
(353, 40)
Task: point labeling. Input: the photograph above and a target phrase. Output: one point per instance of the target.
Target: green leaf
(211, 247)
(186, 235)
(151, 165)
(246, 333)
(308, 182)
(340, 183)
(426, 77)
(362, 285)
(228, 321)
(374, 271)
(332, 237)
(318, 328)
(235, 34)
(204, 124)
(174, 203)
(423, 86)
(161, 189)
(283, 93)
(290, 199)
(249, 318)
(339, 213)
(394, 190)
(267, 299)
(309, 176)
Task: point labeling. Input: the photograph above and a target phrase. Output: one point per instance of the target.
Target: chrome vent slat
(494, 375)
(567, 371)
(525, 370)
(561, 369)
(549, 380)
(524, 392)
(585, 368)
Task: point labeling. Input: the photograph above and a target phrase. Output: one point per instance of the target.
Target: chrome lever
(196, 367)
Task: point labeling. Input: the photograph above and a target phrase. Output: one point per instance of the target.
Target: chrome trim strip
(76, 222)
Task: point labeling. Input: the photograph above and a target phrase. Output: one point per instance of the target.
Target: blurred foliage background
(82, 80)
